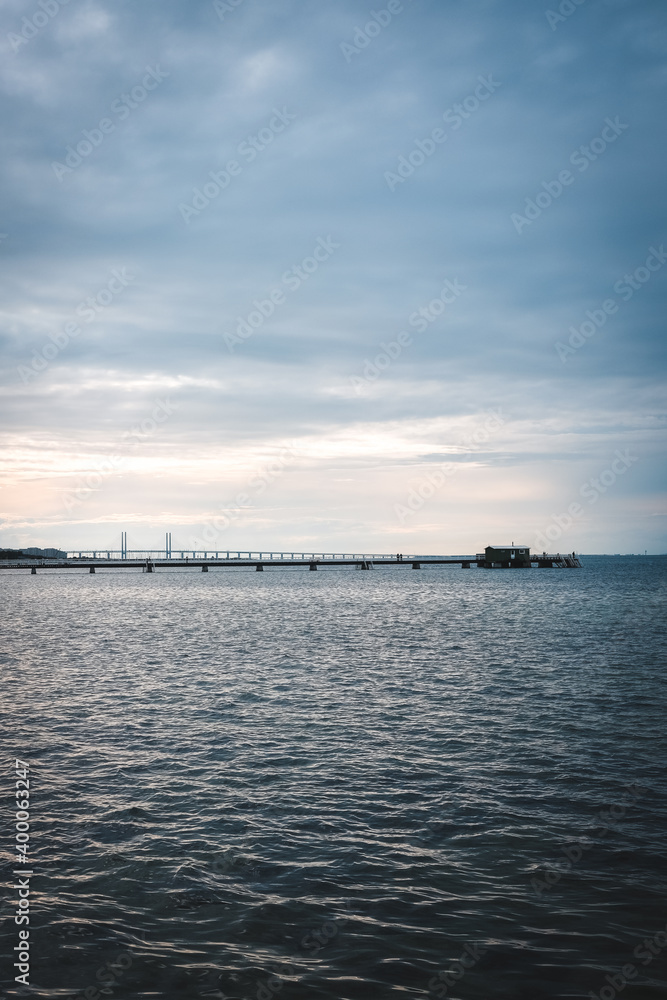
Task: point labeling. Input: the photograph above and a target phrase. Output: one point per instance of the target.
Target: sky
(310, 276)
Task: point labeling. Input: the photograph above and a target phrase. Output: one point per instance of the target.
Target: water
(327, 785)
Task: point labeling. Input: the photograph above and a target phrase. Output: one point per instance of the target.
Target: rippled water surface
(339, 784)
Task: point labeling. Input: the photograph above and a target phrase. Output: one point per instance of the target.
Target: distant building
(10, 554)
(44, 553)
(31, 555)
(507, 557)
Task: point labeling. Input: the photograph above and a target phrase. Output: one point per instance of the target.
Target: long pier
(148, 561)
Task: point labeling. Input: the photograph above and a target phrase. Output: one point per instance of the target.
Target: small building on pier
(507, 557)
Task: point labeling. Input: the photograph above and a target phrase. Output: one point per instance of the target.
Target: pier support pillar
(33, 571)
(259, 568)
(149, 567)
(204, 569)
(92, 569)
(416, 565)
(465, 565)
(312, 566)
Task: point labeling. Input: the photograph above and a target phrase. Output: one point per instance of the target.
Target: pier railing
(230, 555)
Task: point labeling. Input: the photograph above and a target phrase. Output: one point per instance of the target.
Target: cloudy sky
(320, 275)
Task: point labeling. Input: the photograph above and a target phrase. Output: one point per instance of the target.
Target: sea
(342, 785)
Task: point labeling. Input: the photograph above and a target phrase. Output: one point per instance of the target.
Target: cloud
(324, 175)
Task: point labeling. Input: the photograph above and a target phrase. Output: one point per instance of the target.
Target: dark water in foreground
(338, 784)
